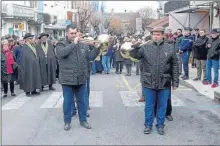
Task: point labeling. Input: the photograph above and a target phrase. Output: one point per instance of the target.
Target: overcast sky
(121, 6)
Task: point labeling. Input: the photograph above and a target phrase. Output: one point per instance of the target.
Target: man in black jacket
(200, 54)
(160, 71)
(213, 46)
(73, 58)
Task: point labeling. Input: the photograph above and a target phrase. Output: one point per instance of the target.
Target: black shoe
(86, 125)
(120, 72)
(5, 95)
(87, 115)
(147, 130)
(73, 114)
(28, 94)
(185, 78)
(67, 127)
(52, 88)
(160, 130)
(196, 79)
(169, 118)
(117, 72)
(35, 93)
(13, 94)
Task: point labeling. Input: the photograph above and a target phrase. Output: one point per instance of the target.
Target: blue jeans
(68, 93)
(93, 67)
(150, 100)
(87, 92)
(215, 64)
(185, 59)
(106, 63)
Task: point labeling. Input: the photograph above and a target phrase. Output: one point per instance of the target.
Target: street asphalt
(116, 116)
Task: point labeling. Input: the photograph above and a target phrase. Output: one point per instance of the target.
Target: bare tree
(84, 15)
(147, 14)
(95, 20)
(114, 25)
(130, 29)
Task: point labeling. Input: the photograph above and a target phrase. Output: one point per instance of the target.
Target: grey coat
(118, 56)
(30, 70)
(160, 66)
(73, 61)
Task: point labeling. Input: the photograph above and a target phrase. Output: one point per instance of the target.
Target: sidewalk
(203, 89)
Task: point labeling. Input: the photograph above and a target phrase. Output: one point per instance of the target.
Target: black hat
(215, 30)
(43, 34)
(188, 28)
(28, 35)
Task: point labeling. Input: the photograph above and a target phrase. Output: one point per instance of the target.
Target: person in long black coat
(47, 59)
(30, 67)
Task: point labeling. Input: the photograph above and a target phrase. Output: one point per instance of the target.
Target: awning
(163, 22)
(55, 27)
(193, 10)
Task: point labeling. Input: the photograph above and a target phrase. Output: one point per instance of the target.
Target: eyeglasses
(73, 33)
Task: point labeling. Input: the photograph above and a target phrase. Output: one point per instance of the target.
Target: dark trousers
(137, 68)
(119, 66)
(5, 87)
(128, 68)
(169, 106)
(57, 71)
(112, 61)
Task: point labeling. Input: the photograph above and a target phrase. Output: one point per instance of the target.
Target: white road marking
(16, 103)
(176, 101)
(96, 100)
(52, 100)
(130, 98)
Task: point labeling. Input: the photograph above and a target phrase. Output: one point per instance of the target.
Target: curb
(187, 84)
(216, 94)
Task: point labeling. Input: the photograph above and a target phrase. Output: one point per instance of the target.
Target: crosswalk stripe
(55, 100)
(130, 98)
(16, 103)
(59, 103)
(96, 100)
(176, 101)
(52, 100)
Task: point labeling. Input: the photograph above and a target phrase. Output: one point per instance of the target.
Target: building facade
(16, 16)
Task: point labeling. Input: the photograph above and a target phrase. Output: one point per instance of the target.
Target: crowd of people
(159, 59)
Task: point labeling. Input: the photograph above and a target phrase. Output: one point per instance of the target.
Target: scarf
(9, 61)
(45, 48)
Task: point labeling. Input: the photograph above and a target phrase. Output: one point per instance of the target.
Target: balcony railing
(12, 10)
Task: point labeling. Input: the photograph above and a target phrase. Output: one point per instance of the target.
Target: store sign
(68, 22)
(21, 26)
(138, 24)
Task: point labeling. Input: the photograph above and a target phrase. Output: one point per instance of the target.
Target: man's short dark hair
(72, 26)
(180, 29)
